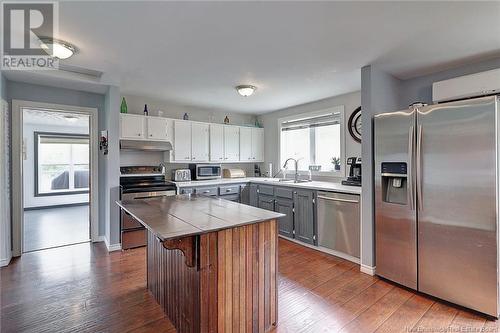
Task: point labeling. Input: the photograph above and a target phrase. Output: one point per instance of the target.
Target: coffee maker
(354, 178)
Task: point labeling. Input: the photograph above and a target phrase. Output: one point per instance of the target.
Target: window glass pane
(50, 153)
(53, 177)
(296, 144)
(81, 154)
(63, 163)
(327, 141)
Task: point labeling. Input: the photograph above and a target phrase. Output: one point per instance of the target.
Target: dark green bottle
(123, 106)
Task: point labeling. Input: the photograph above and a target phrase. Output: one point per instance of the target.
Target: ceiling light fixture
(70, 118)
(57, 48)
(246, 90)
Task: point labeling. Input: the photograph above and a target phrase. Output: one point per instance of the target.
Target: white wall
(30, 200)
(271, 132)
(136, 105)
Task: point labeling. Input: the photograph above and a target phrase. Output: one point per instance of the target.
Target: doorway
(55, 190)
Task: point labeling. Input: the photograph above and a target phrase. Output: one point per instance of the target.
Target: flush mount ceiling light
(246, 90)
(71, 118)
(57, 48)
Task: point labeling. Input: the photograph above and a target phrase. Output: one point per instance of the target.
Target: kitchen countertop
(186, 215)
(314, 185)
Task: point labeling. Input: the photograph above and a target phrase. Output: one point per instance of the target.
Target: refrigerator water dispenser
(394, 182)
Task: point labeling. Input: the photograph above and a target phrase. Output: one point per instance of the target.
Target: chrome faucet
(296, 162)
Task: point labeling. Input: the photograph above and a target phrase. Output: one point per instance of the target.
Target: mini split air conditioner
(474, 85)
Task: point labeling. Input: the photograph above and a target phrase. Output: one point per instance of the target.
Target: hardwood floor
(82, 288)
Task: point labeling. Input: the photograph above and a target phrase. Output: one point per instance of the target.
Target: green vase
(123, 107)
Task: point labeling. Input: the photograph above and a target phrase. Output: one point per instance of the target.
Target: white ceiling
(194, 53)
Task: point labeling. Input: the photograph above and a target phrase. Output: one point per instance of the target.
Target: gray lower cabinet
(303, 203)
(266, 202)
(245, 194)
(254, 195)
(285, 224)
(186, 190)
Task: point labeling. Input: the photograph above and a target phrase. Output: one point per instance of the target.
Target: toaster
(181, 175)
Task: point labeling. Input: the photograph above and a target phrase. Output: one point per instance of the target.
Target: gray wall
(379, 93)
(420, 89)
(271, 132)
(112, 121)
(46, 94)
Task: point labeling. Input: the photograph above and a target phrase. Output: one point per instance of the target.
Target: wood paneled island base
(222, 278)
(230, 288)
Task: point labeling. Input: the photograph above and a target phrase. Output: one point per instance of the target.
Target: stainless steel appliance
(436, 199)
(181, 175)
(126, 144)
(338, 222)
(139, 183)
(354, 178)
(205, 171)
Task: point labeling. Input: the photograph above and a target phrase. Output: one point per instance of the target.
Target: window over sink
(316, 139)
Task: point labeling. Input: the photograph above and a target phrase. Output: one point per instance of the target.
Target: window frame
(335, 109)
(36, 144)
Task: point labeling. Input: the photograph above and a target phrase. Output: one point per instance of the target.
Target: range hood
(145, 145)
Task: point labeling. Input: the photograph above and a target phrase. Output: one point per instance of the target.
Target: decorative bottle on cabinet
(145, 109)
(123, 106)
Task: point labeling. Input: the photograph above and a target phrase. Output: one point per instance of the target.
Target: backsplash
(135, 158)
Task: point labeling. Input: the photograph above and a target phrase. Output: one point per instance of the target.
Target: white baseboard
(370, 270)
(110, 247)
(324, 250)
(5, 261)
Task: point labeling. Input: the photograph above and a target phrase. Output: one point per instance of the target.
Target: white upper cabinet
(258, 144)
(216, 143)
(182, 140)
(199, 142)
(231, 143)
(132, 126)
(157, 128)
(246, 144)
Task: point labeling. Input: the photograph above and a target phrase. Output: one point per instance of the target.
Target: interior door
(456, 148)
(182, 140)
(199, 142)
(395, 218)
(216, 143)
(245, 144)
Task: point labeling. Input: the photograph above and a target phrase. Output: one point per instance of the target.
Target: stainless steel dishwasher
(338, 222)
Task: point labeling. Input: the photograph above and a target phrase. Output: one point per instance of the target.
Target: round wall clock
(354, 125)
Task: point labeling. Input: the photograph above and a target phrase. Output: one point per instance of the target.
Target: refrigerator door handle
(411, 139)
(419, 168)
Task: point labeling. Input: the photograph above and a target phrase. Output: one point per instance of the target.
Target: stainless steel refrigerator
(436, 200)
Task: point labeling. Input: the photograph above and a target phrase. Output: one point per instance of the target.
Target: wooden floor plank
(83, 288)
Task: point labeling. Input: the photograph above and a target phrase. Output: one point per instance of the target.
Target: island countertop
(178, 216)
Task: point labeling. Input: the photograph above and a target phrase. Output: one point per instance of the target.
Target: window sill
(51, 194)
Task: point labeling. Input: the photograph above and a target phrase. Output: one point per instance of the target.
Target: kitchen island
(211, 263)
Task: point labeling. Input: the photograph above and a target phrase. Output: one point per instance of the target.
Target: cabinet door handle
(337, 199)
